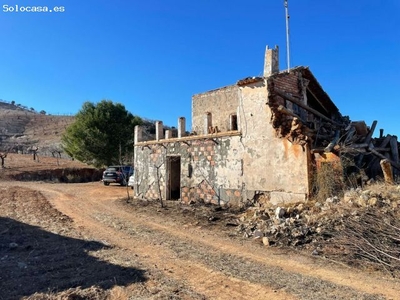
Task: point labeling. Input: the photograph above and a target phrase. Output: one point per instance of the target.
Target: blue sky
(153, 55)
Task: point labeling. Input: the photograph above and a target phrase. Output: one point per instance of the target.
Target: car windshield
(125, 169)
(112, 169)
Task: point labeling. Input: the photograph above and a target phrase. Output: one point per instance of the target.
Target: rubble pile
(362, 225)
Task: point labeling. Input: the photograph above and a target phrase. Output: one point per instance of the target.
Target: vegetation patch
(67, 175)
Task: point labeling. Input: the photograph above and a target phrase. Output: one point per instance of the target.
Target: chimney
(159, 130)
(168, 134)
(271, 62)
(181, 127)
(138, 134)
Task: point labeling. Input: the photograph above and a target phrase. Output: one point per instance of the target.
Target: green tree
(102, 134)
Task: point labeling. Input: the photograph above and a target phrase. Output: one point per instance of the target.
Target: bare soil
(90, 241)
(21, 129)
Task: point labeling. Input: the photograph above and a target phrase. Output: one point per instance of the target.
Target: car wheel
(106, 183)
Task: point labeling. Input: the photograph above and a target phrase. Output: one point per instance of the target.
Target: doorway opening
(174, 177)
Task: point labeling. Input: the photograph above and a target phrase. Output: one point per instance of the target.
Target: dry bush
(372, 238)
(367, 229)
(328, 182)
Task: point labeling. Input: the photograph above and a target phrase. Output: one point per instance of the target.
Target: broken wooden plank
(350, 135)
(371, 132)
(367, 141)
(364, 145)
(384, 143)
(394, 149)
(302, 105)
(353, 150)
(379, 149)
(285, 111)
(356, 146)
(393, 163)
(333, 142)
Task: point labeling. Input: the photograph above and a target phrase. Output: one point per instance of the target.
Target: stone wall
(211, 169)
(270, 163)
(221, 103)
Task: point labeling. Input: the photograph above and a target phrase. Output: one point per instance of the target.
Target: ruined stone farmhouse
(262, 135)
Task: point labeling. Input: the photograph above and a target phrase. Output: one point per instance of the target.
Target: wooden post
(2, 157)
(34, 152)
(387, 171)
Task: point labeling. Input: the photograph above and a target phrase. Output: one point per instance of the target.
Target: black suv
(117, 174)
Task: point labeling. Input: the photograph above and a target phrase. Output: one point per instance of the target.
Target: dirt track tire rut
(210, 264)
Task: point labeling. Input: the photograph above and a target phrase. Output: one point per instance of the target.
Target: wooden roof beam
(299, 103)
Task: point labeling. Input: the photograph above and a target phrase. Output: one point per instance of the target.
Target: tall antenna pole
(287, 35)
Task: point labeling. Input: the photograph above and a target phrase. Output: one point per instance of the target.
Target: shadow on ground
(33, 260)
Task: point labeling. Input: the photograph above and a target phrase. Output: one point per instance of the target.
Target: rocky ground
(362, 228)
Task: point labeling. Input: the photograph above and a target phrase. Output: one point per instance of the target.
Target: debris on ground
(363, 226)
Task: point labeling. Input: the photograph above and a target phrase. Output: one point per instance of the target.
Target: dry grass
(328, 182)
(373, 238)
(363, 228)
(92, 293)
(368, 231)
(22, 167)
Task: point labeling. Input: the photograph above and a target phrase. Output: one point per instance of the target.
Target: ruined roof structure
(264, 135)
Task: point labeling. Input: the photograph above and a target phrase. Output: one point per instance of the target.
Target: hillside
(21, 129)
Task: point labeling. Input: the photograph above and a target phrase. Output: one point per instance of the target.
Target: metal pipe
(287, 34)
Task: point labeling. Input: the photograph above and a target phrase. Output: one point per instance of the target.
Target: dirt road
(141, 251)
